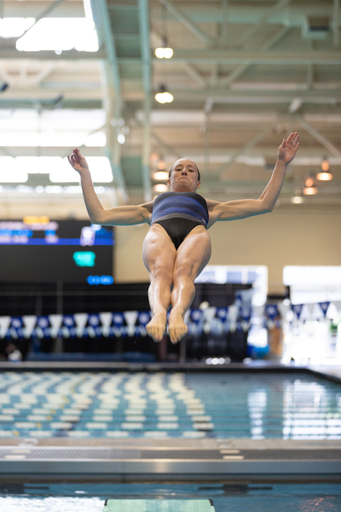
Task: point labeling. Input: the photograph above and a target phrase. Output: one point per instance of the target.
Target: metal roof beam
(318, 136)
(188, 23)
(249, 13)
(190, 56)
(246, 147)
(254, 96)
(112, 91)
(146, 75)
(261, 22)
(336, 23)
(206, 56)
(193, 73)
(240, 70)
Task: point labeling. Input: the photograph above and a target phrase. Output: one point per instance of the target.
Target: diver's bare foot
(177, 327)
(157, 326)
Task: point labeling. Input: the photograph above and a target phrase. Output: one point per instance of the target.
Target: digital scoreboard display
(41, 250)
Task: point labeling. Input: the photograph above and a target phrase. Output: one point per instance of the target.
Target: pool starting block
(158, 506)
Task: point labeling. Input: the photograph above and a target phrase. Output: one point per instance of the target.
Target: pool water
(228, 497)
(169, 405)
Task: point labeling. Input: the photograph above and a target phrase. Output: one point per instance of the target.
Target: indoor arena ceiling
(244, 74)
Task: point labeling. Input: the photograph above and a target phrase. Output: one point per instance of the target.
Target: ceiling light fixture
(325, 165)
(164, 96)
(310, 191)
(161, 165)
(324, 174)
(164, 51)
(154, 156)
(309, 180)
(160, 187)
(160, 175)
(297, 197)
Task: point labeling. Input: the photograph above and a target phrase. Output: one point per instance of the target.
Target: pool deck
(173, 459)
(332, 372)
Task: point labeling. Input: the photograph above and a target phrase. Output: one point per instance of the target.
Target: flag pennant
(29, 323)
(233, 313)
(68, 328)
(143, 318)
(130, 318)
(324, 307)
(297, 309)
(118, 319)
(209, 314)
(310, 308)
(55, 322)
(106, 320)
(222, 313)
(271, 311)
(196, 315)
(5, 322)
(16, 329)
(318, 313)
(43, 327)
(93, 326)
(81, 320)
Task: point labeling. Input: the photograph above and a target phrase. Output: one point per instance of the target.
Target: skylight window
(14, 27)
(57, 128)
(100, 170)
(38, 164)
(10, 173)
(60, 34)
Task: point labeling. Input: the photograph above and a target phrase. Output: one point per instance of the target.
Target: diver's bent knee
(184, 270)
(162, 273)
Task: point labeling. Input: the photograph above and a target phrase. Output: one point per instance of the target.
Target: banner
(215, 320)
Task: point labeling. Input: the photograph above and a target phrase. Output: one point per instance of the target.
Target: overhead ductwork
(316, 28)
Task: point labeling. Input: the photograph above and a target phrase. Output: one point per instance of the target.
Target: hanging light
(163, 96)
(310, 188)
(325, 165)
(164, 51)
(310, 191)
(324, 174)
(161, 165)
(154, 157)
(297, 197)
(160, 175)
(160, 187)
(309, 180)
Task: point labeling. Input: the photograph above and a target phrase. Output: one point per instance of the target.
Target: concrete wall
(299, 236)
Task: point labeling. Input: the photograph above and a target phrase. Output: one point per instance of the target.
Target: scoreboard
(42, 250)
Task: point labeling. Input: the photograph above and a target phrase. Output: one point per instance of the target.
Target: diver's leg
(158, 256)
(192, 256)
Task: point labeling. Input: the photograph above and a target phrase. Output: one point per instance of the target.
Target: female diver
(177, 246)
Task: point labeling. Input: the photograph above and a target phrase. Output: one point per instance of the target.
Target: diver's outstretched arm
(243, 208)
(118, 216)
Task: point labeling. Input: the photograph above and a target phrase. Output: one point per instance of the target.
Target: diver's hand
(78, 162)
(287, 150)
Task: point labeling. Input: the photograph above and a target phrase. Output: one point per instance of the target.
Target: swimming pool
(227, 497)
(169, 405)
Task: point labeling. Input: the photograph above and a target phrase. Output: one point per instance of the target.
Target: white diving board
(150, 505)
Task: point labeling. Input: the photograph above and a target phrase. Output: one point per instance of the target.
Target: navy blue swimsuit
(178, 213)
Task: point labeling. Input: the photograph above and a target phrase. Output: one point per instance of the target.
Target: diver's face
(184, 176)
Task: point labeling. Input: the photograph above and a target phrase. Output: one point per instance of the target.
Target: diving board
(150, 505)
